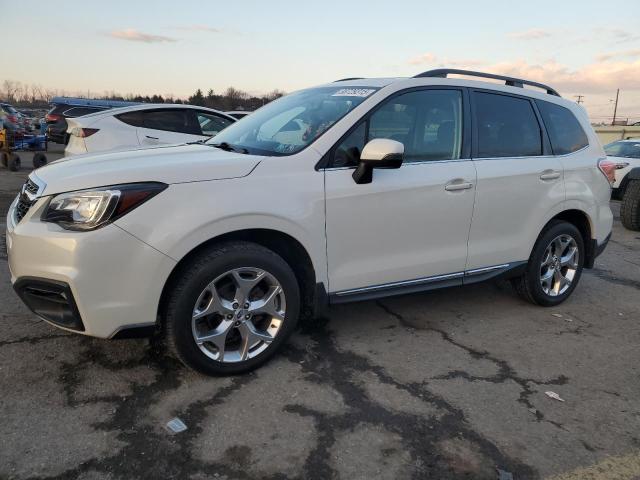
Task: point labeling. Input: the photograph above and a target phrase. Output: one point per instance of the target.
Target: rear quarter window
(135, 119)
(565, 132)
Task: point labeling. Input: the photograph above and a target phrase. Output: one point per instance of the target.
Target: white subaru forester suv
(349, 191)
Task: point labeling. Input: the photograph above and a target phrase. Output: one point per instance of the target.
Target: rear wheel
(4, 159)
(39, 160)
(230, 308)
(630, 206)
(14, 162)
(554, 267)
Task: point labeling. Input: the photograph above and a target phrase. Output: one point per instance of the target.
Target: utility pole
(615, 107)
(579, 97)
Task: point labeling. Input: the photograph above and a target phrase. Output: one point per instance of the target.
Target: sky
(586, 47)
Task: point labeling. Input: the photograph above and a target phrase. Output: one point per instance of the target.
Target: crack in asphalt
(609, 276)
(505, 371)
(150, 453)
(327, 364)
(31, 340)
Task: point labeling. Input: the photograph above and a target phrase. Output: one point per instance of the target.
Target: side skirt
(504, 271)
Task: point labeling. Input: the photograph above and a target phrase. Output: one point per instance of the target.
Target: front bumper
(112, 280)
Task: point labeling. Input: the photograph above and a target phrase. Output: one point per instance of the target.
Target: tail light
(83, 132)
(51, 117)
(608, 169)
(12, 118)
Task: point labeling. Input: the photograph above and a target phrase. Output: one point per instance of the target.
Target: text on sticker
(353, 92)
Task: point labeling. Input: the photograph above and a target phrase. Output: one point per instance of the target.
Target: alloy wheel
(559, 265)
(238, 315)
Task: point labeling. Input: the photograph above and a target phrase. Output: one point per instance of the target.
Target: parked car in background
(393, 186)
(143, 126)
(69, 107)
(12, 120)
(626, 156)
(238, 114)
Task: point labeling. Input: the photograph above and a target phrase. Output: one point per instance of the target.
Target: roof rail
(89, 102)
(510, 81)
(350, 78)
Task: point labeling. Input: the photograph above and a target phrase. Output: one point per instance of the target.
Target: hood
(166, 164)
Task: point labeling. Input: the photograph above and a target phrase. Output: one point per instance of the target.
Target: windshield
(289, 124)
(623, 149)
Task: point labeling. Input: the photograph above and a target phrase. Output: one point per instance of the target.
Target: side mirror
(378, 153)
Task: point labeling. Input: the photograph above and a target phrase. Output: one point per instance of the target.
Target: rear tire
(4, 159)
(230, 308)
(630, 206)
(552, 274)
(39, 160)
(14, 162)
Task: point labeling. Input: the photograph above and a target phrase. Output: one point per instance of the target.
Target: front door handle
(550, 175)
(457, 184)
(152, 138)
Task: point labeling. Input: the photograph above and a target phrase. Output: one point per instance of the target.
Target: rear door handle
(550, 175)
(152, 138)
(457, 184)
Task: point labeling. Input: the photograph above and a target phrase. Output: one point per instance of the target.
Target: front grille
(27, 197)
(31, 187)
(22, 207)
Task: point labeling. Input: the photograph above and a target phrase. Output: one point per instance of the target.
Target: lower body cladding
(102, 283)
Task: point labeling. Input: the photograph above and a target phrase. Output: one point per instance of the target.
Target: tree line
(34, 96)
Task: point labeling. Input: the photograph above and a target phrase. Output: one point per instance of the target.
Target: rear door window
(565, 133)
(506, 126)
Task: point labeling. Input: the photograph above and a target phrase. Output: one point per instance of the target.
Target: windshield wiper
(228, 147)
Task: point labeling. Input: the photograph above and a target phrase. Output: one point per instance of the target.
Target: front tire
(230, 308)
(630, 206)
(554, 267)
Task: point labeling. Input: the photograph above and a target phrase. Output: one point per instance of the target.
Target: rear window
(507, 127)
(564, 130)
(80, 111)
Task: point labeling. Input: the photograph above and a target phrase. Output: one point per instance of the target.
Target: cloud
(432, 59)
(625, 54)
(199, 28)
(597, 77)
(424, 58)
(531, 34)
(618, 35)
(133, 35)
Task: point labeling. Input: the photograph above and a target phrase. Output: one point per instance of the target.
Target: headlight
(91, 209)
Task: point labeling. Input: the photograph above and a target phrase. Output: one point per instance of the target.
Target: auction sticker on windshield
(354, 92)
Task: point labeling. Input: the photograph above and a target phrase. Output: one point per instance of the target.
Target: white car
(143, 126)
(348, 191)
(626, 156)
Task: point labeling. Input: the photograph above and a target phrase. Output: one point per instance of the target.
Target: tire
(219, 269)
(630, 206)
(530, 285)
(4, 159)
(14, 162)
(39, 160)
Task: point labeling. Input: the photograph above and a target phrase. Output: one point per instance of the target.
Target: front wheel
(554, 267)
(230, 308)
